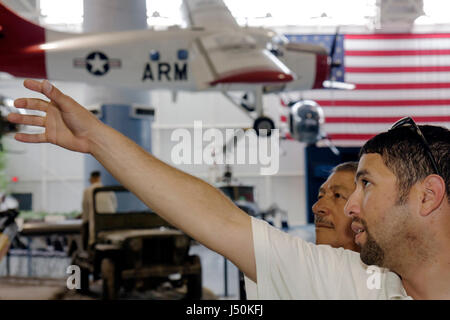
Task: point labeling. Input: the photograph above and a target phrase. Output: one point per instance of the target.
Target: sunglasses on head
(409, 122)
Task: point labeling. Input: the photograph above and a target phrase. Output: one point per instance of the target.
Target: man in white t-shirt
(400, 212)
(400, 209)
(332, 225)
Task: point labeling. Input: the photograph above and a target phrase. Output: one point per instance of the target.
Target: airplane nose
(21, 55)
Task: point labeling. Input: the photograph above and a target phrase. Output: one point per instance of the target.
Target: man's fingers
(31, 138)
(31, 104)
(33, 85)
(64, 102)
(26, 119)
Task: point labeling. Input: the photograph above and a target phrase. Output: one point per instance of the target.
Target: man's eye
(365, 182)
(337, 195)
(319, 197)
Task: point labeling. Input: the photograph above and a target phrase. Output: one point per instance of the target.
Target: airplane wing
(235, 58)
(211, 14)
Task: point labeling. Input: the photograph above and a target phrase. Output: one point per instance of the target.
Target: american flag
(396, 75)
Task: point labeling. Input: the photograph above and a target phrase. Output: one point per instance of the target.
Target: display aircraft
(212, 53)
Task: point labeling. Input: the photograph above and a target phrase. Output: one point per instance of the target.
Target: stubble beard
(389, 250)
(371, 252)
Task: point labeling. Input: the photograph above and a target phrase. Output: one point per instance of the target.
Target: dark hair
(351, 166)
(95, 174)
(403, 153)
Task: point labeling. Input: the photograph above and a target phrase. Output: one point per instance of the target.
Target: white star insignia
(97, 64)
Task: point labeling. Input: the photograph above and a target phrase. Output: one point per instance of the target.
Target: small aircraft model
(213, 53)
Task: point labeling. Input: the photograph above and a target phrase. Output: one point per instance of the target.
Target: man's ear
(433, 193)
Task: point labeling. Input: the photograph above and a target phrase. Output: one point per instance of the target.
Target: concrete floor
(14, 288)
(17, 288)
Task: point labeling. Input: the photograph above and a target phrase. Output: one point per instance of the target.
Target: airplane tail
(20, 40)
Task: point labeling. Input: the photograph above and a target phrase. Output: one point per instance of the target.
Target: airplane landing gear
(263, 123)
(252, 104)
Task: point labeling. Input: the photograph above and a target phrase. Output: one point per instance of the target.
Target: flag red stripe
(387, 36)
(397, 69)
(397, 86)
(377, 53)
(383, 103)
(423, 119)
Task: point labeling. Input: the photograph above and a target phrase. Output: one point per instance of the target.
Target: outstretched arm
(186, 202)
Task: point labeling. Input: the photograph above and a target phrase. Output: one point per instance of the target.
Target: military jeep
(135, 249)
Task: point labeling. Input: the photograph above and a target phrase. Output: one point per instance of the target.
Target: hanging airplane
(212, 53)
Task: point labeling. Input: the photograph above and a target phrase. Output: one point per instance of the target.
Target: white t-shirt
(290, 268)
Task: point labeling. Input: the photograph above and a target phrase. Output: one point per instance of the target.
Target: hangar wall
(54, 176)
(286, 188)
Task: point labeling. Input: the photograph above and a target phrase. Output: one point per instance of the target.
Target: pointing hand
(67, 124)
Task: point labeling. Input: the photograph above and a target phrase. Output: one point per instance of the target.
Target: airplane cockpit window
(280, 40)
(233, 41)
(276, 52)
(275, 48)
(154, 55)
(182, 54)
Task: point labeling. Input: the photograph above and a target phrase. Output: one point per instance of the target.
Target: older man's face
(333, 227)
